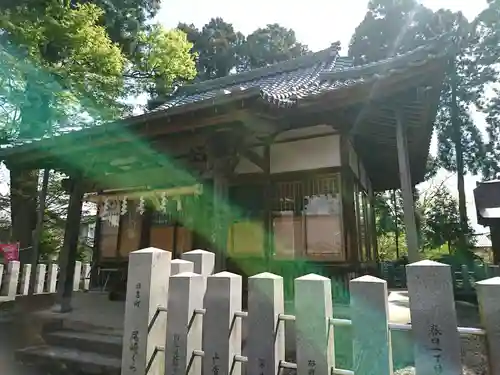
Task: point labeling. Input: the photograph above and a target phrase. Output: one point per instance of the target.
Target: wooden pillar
(220, 195)
(268, 218)
(495, 241)
(220, 155)
(68, 254)
(96, 250)
(349, 220)
(406, 189)
(147, 219)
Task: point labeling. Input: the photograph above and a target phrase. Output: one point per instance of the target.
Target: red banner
(10, 251)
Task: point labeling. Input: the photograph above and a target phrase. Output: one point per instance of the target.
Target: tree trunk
(457, 140)
(37, 236)
(24, 183)
(23, 200)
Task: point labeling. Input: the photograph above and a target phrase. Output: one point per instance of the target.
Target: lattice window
(308, 218)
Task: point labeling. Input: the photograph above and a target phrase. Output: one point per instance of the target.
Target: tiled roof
(279, 84)
(284, 84)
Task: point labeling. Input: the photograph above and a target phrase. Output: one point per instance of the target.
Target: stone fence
(204, 314)
(15, 283)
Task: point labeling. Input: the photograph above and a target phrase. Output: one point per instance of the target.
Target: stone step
(91, 342)
(70, 361)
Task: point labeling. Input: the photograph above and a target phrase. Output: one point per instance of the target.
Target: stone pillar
(41, 269)
(372, 350)
(180, 266)
(86, 271)
(184, 329)
(221, 328)
(406, 189)
(488, 293)
(266, 335)
(52, 278)
(77, 276)
(147, 289)
(25, 280)
(313, 311)
(204, 261)
(433, 318)
(466, 282)
(9, 287)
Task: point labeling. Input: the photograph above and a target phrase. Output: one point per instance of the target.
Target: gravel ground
(473, 347)
(474, 357)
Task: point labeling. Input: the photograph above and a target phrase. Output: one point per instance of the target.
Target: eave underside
(365, 112)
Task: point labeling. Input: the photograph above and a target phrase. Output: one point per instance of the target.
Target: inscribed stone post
(52, 277)
(466, 284)
(433, 318)
(25, 280)
(488, 293)
(9, 287)
(77, 275)
(370, 326)
(180, 266)
(40, 278)
(184, 328)
(204, 261)
(147, 289)
(86, 268)
(221, 328)
(314, 334)
(266, 336)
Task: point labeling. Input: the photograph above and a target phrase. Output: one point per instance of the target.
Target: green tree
(59, 62)
(217, 45)
(487, 53)
(392, 27)
(441, 219)
(270, 45)
(222, 50)
(54, 61)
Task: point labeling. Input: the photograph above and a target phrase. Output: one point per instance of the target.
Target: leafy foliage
(61, 67)
(222, 50)
(162, 58)
(55, 63)
(217, 45)
(441, 224)
(270, 45)
(487, 54)
(393, 27)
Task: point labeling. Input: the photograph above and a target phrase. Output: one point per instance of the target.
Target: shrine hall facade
(275, 164)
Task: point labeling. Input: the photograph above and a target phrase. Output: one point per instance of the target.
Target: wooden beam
(258, 125)
(196, 189)
(255, 158)
(60, 147)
